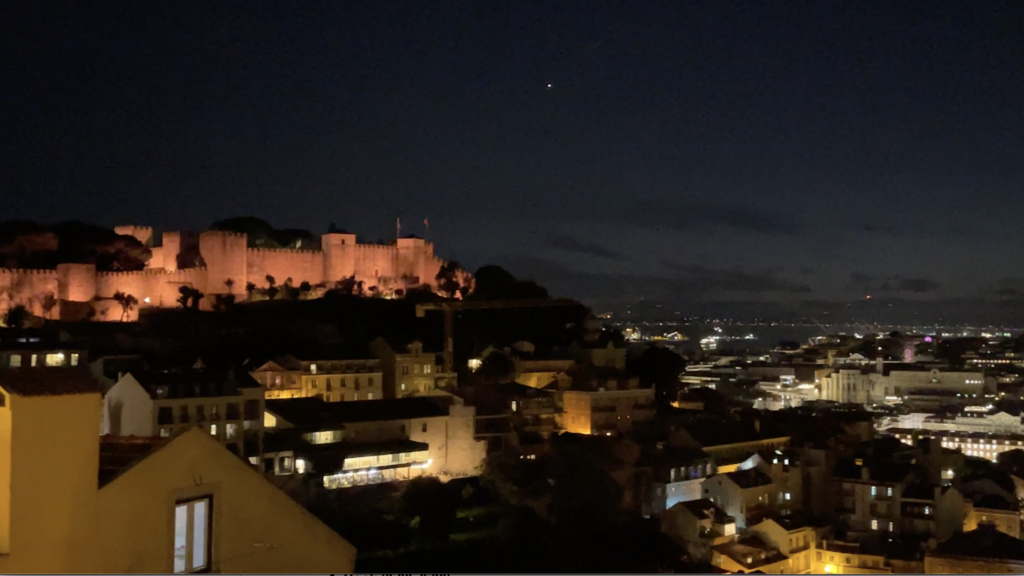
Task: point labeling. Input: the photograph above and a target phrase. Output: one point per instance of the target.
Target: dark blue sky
(776, 152)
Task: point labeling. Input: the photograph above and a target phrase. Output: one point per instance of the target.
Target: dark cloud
(689, 214)
(806, 271)
(714, 280)
(569, 244)
(918, 285)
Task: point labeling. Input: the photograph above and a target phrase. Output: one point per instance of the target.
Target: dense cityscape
(578, 287)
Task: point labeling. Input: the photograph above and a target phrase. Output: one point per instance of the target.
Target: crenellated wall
(299, 265)
(27, 288)
(143, 234)
(226, 256)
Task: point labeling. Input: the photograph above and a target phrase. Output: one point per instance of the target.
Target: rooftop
(119, 453)
(985, 542)
(194, 383)
(48, 382)
(315, 413)
(750, 552)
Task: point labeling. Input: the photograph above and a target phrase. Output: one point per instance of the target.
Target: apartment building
(604, 411)
(889, 384)
(975, 444)
(346, 444)
(74, 502)
(673, 475)
(226, 405)
(791, 537)
(410, 373)
(698, 525)
(746, 495)
(338, 380)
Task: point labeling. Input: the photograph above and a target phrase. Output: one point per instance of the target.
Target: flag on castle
(398, 227)
(426, 222)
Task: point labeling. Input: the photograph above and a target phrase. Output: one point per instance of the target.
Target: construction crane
(450, 308)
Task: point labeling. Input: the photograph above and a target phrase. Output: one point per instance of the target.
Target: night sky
(708, 155)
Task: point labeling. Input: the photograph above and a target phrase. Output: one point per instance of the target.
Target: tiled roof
(119, 453)
(48, 382)
(194, 383)
(985, 542)
(315, 413)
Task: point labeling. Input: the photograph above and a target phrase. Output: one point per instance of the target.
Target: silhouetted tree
(185, 293)
(249, 289)
(229, 283)
(430, 506)
(127, 302)
(272, 288)
(49, 302)
(496, 283)
(16, 316)
(660, 367)
(447, 279)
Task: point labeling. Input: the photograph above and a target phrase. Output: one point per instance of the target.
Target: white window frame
(189, 507)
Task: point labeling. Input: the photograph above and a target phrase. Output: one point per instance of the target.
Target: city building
(835, 557)
(226, 405)
(746, 495)
(73, 502)
(792, 538)
(339, 380)
(976, 444)
(411, 373)
(751, 554)
(994, 510)
(605, 411)
(674, 474)
(345, 444)
(984, 550)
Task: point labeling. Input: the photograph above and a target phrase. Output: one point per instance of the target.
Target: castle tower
(76, 282)
(339, 256)
(413, 254)
(225, 255)
(143, 234)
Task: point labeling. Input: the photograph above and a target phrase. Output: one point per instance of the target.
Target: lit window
(403, 385)
(874, 524)
(213, 429)
(16, 361)
(300, 466)
(787, 496)
(927, 510)
(192, 536)
(35, 360)
(54, 359)
(312, 368)
(874, 491)
(285, 465)
(74, 359)
(890, 526)
(889, 491)
(165, 432)
(786, 462)
(427, 368)
(231, 430)
(513, 405)
(369, 395)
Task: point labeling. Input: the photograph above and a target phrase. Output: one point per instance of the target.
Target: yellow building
(329, 380)
(846, 558)
(183, 504)
(605, 411)
(994, 510)
(412, 373)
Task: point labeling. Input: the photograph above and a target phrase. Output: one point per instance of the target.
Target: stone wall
(299, 265)
(27, 288)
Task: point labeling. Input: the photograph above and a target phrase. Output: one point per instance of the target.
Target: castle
(225, 265)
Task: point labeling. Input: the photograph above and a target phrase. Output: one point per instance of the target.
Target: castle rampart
(226, 256)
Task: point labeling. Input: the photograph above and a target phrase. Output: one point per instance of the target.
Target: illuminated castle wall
(224, 256)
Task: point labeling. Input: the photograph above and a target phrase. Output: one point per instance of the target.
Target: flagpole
(398, 228)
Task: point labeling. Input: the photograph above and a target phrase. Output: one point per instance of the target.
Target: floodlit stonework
(223, 257)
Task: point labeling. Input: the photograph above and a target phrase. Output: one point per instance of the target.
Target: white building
(862, 386)
(164, 404)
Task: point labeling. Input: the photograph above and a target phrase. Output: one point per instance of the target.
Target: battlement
(29, 272)
(222, 234)
(283, 251)
(376, 246)
(143, 234)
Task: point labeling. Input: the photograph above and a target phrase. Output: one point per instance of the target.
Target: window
(231, 430)
(165, 432)
(183, 414)
(165, 415)
(285, 465)
(35, 359)
(192, 523)
(329, 388)
(54, 359)
(874, 491)
(787, 495)
(312, 368)
(300, 466)
(312, 383)
(213, 429)
(405, 370)
(890, 526)
(356, 385)
(874, 524)
(888, 491)
(424, 427)
(16, 361)
(200, 413)
(403, 386)
(369, 395)
(427, 368)
(927, 510)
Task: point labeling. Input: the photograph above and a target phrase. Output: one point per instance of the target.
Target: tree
(272, 289)
(447, 279)
(49, 302)
(290, 291)
(660, 367)
(127, 302)
(497, 368)
(249, 289)
(496, 283)
(430, 507)
(16, 316)
(230, 283)
(185, 293)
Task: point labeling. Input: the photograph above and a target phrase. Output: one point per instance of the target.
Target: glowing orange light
(869, 296)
